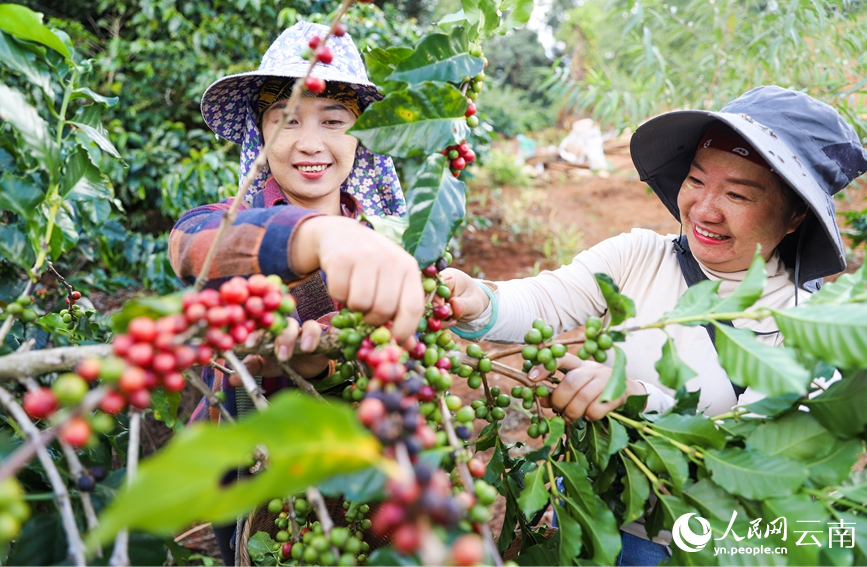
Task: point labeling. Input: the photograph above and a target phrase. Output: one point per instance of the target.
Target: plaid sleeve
(256, 243)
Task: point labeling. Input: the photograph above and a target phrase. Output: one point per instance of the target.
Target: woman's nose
(310, 139)
(706, 207)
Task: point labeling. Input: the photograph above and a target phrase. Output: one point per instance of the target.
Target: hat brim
(663, 149)
(230, 124)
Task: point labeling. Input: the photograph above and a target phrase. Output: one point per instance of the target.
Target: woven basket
(262, 520)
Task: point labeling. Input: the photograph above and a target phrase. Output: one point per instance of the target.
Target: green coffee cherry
(605, 341)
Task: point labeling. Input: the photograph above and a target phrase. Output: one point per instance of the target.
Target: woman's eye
(694, 181)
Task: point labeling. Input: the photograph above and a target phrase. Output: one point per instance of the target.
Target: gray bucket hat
(806, 142)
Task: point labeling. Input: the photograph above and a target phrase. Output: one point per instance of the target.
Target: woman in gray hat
(763, 171)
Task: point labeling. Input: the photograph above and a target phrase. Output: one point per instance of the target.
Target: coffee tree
(398, 450)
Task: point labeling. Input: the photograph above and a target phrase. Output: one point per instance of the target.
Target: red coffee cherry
(407, 538)
(89, 369)
(121, 343)
(386, 518)
(142, 329)
(140, 399)
(468, 550)
(113, 403)
(314, 84)
(340, 30)
(174, 382)
(204, 354)
(324, 54)
(185, 356)
(164, 363)
(370, 410)
(272, 300)
(133, 379)
(40, 404)
(76, 295)
(217, 316)
(257, 284)
(476, 467)
(75, 432)
(209, 298)
(140, 354)
(254, 307)
(314, 42)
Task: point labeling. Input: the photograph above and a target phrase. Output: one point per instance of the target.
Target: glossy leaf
(439, 57)
(673, 371)
(770, 407)
(23, 61)
(715, 504)
(381, 63)
(556, 429)
(795, 436)
(27, 24)
(842, 408)
(753, 475)
(834, 466)
(435, 207)
(616, 385)
(665, 458)
(19, 196)
(570, 535)
(15, 247)
(88, 119)
(165, 406)
(835, 333)
(773, 371)
(306, 440)
(690, 430)
(798, 508)
(519, 12)
(600, 536)
(391, 226)
(603, 439)
(366, 485)
(620, 307)
(64, 235)
(421, 120)
(636, 491)
(85, 93)
(845, 289)
(748, 291)
(82, 180)
(261, 549)
(33, 130)
(698, 300)
(534, 495)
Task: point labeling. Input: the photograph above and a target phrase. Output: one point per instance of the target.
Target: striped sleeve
(256, 243)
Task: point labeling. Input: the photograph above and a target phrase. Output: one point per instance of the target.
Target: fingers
(284, 344)
(410, 307)
(578, 394)
(470, 300)
(311, 332)
(569, 362)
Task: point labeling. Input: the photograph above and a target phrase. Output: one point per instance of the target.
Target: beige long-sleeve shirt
(645, 267)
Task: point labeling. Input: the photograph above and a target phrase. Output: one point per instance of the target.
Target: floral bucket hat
(229, 108)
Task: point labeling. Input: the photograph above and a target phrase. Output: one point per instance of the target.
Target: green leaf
(33, 130)
(771, 370)
(690, 430)
(51, 323)
(601, 444)
(795, 436)
(420, 120)
(620, 307)
(165, 406)
(753, 475)
(858, 527)
(666, 511)
(150, 306)
(600, 535)
(85, 93)
(391, 226)
(797, 508)
(82, 181)
(636, 491)
(24, 62)
(15, 247)
(436, 206)
(665, 458)
(834, 466)
(534, 495)
(306, 441)
(366, 485)
(88, 119)
(835, 333)
(842, 408)
(42, 542)
(748, 291)
(27, 24)
(19, 196)
(381, 63)
(673, 371)
(846, 288)
(387, 556)
(261, 549)
(556, 429)
(770, 407)
(570, 535)
(698, 300)
(439, 57)
(616, 385)
(519, 12)
(714, 503)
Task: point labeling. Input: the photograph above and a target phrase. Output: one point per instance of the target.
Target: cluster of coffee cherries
(539, 351)
(323, 54)
(597, 342)
(21, 309)
(13, 510)
(459, 155)
(343, 545)
(474, 86)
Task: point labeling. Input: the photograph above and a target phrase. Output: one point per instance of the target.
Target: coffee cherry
(476, 468)
(314, 42)
(86, 483)
(471, 109)
(324, 55)
(498, 414)
(472, 121)
(470, 156)
(443, 311)
(132, 379)
(434, 324)
(75, 432)
(459, 163)
(75, 295)
(605, 341)
(558, 350)
(593, 322)
(140, 399)
(140, 354)
(407, 538)
(275, 506)
(468, 550)
(430, 271)
(174, 382)
(142, 329)
(112, 403)
(69, 389)
(475, 351)
(234, 291)
(600, 356)
(40, 404)
(286, 550)
(386, 518)
(370, 411)
(314, 84)
(340, 30)
(533, 337)
(485, 365)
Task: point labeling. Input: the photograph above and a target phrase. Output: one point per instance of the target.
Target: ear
(798, 217)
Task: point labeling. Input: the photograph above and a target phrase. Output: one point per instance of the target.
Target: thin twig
(13, 463)
(120, 555)
(293, 520)
(75, 547)
(299, 380)
(66, 284)
(38, 362)
(247, 379)
(260, 161)
(467, 478)
(77, 471)
(224, 369)
(316, 500)
(518, 348)
(196, 382)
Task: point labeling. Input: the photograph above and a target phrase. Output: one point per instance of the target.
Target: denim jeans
(641, 552)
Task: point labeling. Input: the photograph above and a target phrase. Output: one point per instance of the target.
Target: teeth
(311, 168)
(709, 234)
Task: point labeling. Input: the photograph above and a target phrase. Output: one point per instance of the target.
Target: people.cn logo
(685, 538)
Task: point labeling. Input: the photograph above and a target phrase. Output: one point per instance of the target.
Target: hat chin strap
(798, 265)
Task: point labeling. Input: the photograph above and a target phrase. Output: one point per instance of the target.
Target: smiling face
(728, 205)
(312, 155)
